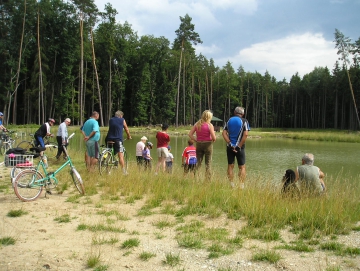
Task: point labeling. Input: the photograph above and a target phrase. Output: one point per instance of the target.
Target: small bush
(130, 243)
(7, 241)
(16, 213)
(171, 259)
(267, 255)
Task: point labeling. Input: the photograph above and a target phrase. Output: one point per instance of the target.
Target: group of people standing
(200, 146)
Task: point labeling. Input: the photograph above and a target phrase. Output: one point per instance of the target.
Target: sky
(283, 37)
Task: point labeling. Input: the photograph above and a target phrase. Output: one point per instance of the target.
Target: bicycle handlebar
(71, 136)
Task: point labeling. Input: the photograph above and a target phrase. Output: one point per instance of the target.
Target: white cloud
(206, 50)
(284, 57)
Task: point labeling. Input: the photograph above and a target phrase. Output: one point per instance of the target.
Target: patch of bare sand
(43, 243)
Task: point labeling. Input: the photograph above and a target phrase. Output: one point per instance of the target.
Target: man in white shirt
(61, 137)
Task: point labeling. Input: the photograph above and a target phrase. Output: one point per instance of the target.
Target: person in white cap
(139, 151)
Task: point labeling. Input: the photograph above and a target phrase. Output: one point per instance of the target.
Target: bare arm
(225, 135)
(191, 133)
(127, 130)
(212, 132)
(243, 139)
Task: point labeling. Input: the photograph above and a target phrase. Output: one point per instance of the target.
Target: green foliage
(130, 243)
(6, 241)
(16, 213)
(266, 255)
(171, 259)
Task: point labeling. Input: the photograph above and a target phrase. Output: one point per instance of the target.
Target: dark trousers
(60, 146)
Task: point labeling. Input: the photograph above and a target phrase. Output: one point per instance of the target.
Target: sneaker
(242, 186)
(125, 172)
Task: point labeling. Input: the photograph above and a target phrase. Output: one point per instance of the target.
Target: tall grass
(260, 204)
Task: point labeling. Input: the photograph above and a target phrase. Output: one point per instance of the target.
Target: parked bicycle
(6, 141)
(29, 183)
(28, 144)
(108, 159)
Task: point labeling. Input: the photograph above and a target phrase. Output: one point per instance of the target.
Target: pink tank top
(204, 133)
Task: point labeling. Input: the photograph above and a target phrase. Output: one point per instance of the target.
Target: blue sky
(280, 36)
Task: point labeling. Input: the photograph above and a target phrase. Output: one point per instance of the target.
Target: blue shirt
(116, 127)
(235, 128)
(91, 125)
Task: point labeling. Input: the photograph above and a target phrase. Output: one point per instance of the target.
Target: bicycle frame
(48, 174)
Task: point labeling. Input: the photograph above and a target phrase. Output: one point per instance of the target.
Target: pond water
(264, 156)
(272, 156)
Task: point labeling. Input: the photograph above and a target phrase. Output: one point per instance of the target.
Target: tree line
(66, 59)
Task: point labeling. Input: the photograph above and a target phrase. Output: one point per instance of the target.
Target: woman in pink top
(205, 136)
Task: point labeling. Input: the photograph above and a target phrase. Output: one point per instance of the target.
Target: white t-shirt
(170, 157)
(139, 148)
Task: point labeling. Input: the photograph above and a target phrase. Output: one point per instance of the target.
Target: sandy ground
(45, 244)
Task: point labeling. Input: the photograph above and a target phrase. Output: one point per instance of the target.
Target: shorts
(240, 156)
(162, 152)
(92, 148)
(117, 146)
(188, 168)
(139, 160)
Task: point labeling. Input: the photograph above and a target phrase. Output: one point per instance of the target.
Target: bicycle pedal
(48, 192)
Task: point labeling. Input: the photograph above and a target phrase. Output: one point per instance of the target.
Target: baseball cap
(150, 144)
(1, 114)
(52, 120)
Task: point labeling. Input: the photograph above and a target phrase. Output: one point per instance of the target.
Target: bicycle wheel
(25, 145)
(105, 162)
(25, 185)
(77, 180)
(13, 173)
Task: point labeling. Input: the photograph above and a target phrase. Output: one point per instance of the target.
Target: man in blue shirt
(117, 125)
(235, 134)
(91, 132)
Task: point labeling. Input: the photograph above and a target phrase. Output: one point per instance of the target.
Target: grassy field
(260, 205)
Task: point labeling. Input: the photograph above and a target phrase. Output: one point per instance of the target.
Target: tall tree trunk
(353, 97)
(178, 88)
(97, 77)
(81, 65)
(41, 87)
(184, 87)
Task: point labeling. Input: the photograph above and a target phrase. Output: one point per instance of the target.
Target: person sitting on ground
(289, 188)
(169, 161)
(189, 159)
(146, 155)
(309, 177)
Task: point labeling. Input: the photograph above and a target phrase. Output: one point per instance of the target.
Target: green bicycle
(108, 159)
(29, 183)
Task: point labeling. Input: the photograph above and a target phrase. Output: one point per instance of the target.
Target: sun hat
(144, 138)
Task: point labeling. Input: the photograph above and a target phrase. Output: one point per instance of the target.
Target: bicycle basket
(19, 160)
